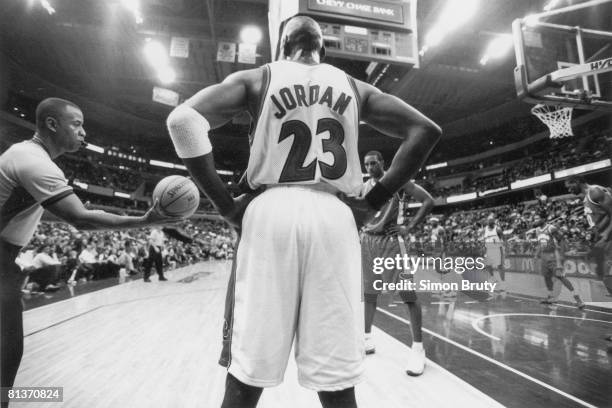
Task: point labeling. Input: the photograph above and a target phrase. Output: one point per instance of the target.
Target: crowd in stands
(464, 229)
(88, 170)
(555, 155)
(510, 132)
(59, 254)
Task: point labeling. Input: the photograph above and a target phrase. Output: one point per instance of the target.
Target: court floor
(141, 345)
(521, 353)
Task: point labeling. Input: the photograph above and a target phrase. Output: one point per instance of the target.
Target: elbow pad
(189, 132)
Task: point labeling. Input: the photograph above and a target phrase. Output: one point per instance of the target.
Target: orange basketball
(178, 196)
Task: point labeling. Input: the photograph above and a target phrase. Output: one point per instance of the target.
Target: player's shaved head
(301, 33)
(376, 154)
(51, 107)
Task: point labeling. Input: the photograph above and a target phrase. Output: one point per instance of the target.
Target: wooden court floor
(514, 349)
(156, 345)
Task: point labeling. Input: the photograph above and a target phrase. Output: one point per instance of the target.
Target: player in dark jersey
(597, 206)
(383, 237)
(598, 212)
(550, 253)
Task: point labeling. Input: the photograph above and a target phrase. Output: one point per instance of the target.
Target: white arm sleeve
(189, 132)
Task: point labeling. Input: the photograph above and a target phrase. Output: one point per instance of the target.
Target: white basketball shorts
(297, 276)
(493, 255)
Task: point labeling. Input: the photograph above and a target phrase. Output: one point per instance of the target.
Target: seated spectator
(87, 263)
(46, 269)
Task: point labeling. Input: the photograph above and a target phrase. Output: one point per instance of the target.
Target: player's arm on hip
(395, 118)
(421, 195)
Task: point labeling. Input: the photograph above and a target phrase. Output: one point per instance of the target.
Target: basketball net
(557, 118)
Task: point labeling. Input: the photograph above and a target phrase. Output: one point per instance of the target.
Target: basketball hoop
(557, 118)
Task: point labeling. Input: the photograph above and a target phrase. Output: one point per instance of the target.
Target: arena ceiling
(90, 51)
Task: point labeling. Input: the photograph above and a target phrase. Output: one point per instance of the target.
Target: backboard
(564, 57)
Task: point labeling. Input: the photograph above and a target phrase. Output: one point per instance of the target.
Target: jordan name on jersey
(292, 97)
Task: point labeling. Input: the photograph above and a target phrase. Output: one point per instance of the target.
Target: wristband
(378, 196)
(189, 132)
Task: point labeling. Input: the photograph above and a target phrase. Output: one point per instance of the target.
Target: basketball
(178, 196)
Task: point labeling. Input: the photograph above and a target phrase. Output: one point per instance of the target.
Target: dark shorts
(373, 249)
(549, 268)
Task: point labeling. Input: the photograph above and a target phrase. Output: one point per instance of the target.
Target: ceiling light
(456, 13)
(47, 6)
(250, 35)
(156, 53)
(551, 4)
(497, 48)
(134, 7)
(166, 74)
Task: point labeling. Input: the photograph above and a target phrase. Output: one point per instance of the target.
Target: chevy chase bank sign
(371, 10)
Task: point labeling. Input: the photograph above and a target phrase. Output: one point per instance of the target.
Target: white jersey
(437, 234)
(306, 131)
(491, 235)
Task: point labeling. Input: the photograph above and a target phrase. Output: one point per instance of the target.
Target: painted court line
(493, 361)
(562, 305)
(475, 322)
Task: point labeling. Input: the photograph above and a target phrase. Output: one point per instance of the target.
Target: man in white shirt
(46, 269)
(88, 255)
(45, 258)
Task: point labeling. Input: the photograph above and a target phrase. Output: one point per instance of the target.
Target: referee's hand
(154, 216)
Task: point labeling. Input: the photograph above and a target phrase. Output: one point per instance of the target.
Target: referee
(31, 182)
(156, 246)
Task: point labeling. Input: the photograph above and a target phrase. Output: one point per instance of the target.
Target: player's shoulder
(364, 89)
(23, 148)
(597, 193)
(27, 155)
(247, 76)
(409, 187)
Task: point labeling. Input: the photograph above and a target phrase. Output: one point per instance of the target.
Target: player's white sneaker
(370, 348)
(416, 363)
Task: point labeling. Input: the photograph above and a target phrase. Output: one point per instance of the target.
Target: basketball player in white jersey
(31, 182)
(383, 237)
(492, 237)
(437, 240)
(550, 253)
(294, 273)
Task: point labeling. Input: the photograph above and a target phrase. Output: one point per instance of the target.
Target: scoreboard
(379, 31)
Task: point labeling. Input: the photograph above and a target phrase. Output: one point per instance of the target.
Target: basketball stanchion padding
(557, 118)
(178, 196)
